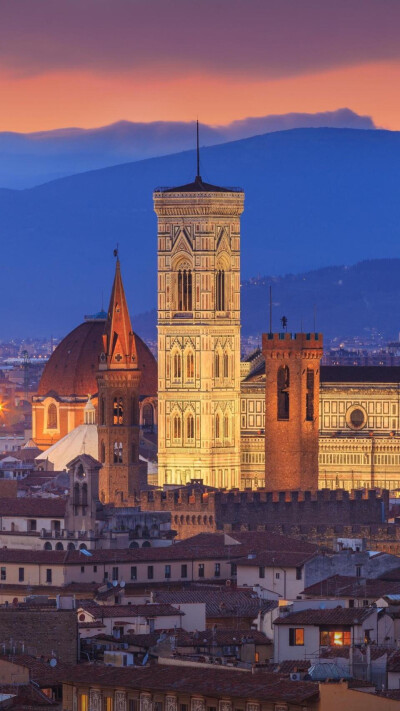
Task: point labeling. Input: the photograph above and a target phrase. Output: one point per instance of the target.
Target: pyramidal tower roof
(118, 340)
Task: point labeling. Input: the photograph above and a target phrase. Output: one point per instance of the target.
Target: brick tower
(292, 367)
(199, 334)
(118, 409)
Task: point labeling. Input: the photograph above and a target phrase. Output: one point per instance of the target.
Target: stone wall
(195, 510)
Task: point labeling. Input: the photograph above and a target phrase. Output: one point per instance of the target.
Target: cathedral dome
(72, 368)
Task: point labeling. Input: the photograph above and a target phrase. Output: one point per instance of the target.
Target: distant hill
(349, 301)
(28, 159)
(314, 198)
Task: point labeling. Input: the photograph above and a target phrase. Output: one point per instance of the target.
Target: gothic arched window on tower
(102, 452)
(177, 365)
(190, 366)
(220, 290)
(310, 395)
(52, 417)
(117, 452)
(283, 382)
(217, 365)
(184, 290)
(226, 426)
(217, 426)
(118, 411)
(226, 365)
(190, 427)
(176, 427)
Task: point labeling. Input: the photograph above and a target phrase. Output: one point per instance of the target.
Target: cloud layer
(266, 38)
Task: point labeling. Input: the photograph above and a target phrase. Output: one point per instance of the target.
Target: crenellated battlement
(300, 343)
(195, 509)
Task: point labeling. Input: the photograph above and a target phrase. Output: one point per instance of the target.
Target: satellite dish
(115, 583)
(122, 584)
(53, 662)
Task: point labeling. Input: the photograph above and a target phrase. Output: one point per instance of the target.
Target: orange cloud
(78, 98)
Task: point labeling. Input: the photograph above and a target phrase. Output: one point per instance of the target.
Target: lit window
(296, 637)
(335, 638)
(118, 411)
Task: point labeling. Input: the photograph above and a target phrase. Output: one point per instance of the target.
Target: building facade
(199, 334)
(359, 426)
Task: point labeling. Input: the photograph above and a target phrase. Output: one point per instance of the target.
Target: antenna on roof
(198, 176)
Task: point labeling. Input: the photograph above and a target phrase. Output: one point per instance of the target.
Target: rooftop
(334, 616)
(191, 680)
(199, 186)
(226, 602)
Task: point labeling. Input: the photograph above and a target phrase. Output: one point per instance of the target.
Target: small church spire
(118, 339)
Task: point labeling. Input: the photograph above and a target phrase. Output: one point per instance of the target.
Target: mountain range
(28, 159)
(313, 198)
(341, 301)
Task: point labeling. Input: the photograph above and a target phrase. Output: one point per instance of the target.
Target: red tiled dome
(72, 368)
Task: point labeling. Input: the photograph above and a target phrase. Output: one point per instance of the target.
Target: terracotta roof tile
(221, 603)
(194, 680)
(32, 507)
(334, 616)
(146, 610)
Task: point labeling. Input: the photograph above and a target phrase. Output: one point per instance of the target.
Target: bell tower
(199, 333)
(118, 403)
(292, 377)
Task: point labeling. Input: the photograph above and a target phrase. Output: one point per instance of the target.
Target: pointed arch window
(220, 290)
(190, 427)
(226, 365)
(52, 417)
(217, 365)
(283, 384)
(226, 426)
(177, 365)
(217, 426)
(118, 451)
(118, 411)
(184, 290)
(177, 427)
(190, 365)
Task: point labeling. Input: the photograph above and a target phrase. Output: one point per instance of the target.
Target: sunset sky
(91, 62)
